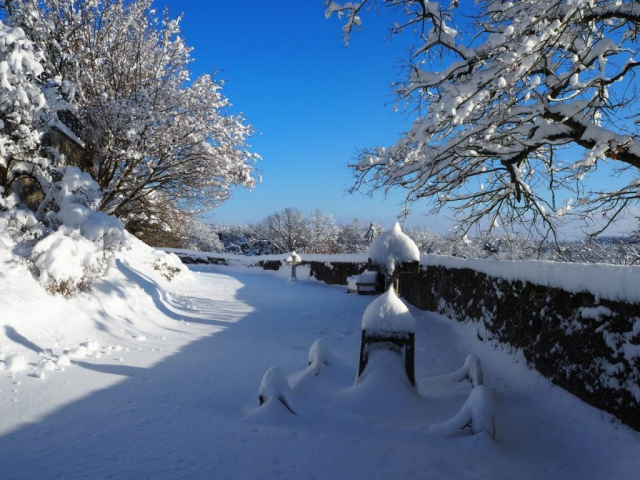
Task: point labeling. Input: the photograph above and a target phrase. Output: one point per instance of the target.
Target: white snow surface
(388, 313)
(612, 282)
(392, 248)
(183, 402)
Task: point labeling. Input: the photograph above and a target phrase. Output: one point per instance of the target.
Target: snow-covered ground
(167, 383)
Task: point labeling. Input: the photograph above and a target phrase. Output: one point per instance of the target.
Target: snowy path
(182, 403)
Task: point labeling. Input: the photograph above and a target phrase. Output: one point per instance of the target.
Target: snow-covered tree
(500, 91)
(371, 233)
(351, 238)
(286, 231)
(200, 236)
(21, 102)
(152, 135)
(322, 233)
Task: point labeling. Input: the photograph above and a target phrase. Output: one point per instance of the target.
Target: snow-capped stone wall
(582, 341)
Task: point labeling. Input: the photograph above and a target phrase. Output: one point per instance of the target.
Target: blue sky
(312, 101)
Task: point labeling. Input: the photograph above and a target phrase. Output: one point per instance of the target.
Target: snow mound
(47, 365)
(63, 361)
(383, 389)
(477, 413)
(392, 248)
(388, 313)
(81, 241)
(325, 373)
(471, 371)
(275, 387)
(15, 363)
(79, 352)
(319, 354)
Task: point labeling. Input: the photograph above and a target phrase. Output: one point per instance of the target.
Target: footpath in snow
(167, 387)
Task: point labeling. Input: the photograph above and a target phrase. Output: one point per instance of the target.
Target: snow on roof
(392, 248)
(388, 313)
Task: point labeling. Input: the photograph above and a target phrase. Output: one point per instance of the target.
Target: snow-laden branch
(529, 79)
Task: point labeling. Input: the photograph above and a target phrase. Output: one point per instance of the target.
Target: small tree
(372, 233)
(351, 237)
(497, 104)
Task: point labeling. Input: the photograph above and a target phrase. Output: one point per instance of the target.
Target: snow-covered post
(293, 260)
(388, 324)
(392, 253)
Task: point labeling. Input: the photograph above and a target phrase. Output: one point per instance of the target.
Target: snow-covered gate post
(393, 253)
(387, 323)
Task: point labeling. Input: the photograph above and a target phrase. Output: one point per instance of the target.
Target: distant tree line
(290, 229)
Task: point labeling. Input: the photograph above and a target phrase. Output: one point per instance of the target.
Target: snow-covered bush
(80, 241)
(167, 264)
(393, 248)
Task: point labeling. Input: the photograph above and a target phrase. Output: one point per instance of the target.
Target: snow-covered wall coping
(612, 282)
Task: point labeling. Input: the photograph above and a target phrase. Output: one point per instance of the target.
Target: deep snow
(168, 388)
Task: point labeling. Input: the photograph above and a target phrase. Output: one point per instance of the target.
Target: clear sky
(312, 101)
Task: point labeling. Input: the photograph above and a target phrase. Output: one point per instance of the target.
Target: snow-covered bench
(363, 284)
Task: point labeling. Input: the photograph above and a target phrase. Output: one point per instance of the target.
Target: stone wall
(588, 346)
(335, 273)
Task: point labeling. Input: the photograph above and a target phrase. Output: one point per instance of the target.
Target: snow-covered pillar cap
(293, 258)
(392, 248)
(388, 314)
